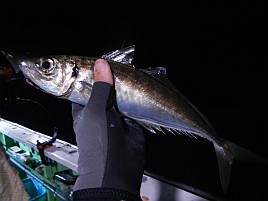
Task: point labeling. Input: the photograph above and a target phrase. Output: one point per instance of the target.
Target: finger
(103, 72)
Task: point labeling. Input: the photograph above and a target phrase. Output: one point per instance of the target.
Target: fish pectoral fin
(82, 86)
(124, 55)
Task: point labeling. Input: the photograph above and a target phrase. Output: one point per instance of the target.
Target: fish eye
(47, 64)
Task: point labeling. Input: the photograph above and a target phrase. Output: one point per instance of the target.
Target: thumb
(103, 72)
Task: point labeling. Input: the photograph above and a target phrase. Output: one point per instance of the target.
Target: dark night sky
(215, 54)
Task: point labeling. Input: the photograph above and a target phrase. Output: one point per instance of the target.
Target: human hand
(111, 148)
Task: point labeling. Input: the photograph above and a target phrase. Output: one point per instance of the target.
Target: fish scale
(144, 95)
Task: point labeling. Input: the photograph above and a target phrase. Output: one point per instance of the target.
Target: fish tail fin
(226, 153)
(225, 160)
(244, 155)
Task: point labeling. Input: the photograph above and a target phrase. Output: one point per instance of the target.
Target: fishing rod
(55, 128)
(7, 76)
(42, 145)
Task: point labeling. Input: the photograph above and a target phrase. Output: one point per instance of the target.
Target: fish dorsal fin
(155, 71)
(160, 73)
(124, 55)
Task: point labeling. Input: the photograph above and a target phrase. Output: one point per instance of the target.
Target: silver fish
(145, 95)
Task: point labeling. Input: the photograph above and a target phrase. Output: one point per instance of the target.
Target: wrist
(104, 194)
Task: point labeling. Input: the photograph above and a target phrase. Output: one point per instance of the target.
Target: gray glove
(111, 149)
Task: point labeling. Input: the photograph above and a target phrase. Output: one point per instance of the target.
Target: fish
(143, 94)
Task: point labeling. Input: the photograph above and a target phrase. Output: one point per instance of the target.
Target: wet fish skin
(146, 96)
(139, 96)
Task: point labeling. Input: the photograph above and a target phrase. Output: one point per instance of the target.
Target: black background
(214, 53)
